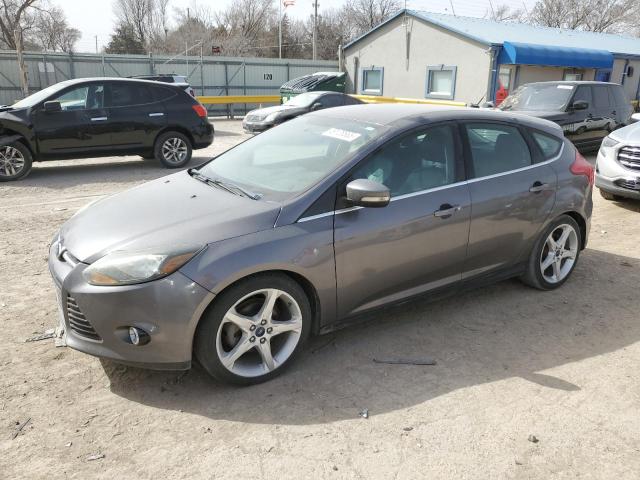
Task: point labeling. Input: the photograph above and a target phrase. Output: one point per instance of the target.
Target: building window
(572, 75)
(372, 81)
(441, 82)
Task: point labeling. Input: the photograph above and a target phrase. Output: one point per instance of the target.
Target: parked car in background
(304, 227)
(262, 119)
(586, 111)
(179, 80)
(94, 117)
(618, 164)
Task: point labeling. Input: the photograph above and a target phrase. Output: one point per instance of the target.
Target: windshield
(302, 100)
(539, 97)
(291, 157)
(38, 97)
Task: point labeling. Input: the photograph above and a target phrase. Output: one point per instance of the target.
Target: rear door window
(549, 145)
(600, 97)
(128, 94)
(496, 148)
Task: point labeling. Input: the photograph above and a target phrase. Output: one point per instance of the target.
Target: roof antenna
(452, 9)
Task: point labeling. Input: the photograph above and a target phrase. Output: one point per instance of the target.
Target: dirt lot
(512, 362)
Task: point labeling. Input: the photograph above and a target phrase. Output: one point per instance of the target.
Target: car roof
(76, 81)
(572, 82)
(398, 115)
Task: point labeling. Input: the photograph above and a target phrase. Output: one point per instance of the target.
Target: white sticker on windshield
(340, 134)
(566, 87)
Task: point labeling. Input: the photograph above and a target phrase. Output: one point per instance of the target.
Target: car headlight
(128, 268)
(609, 142)
(607, 147)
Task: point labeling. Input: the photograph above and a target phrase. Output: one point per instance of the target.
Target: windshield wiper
(228, 186)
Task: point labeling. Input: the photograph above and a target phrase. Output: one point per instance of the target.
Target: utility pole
(279, 28)
(96, 43)
(315, 28)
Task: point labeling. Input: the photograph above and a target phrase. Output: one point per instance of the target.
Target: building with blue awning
(420, 54)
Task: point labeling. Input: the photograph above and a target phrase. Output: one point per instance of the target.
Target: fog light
(138, 336)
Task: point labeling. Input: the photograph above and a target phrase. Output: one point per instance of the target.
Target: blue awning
(532, 54)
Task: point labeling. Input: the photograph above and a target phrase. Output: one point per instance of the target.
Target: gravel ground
(514, 365)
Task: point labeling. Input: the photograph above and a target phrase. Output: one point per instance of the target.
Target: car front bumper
(256, 127)
(612, 177)
(96, 319)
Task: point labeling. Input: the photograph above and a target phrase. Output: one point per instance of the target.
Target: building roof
(490, 32)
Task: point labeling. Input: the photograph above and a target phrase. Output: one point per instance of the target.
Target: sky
(95, 18)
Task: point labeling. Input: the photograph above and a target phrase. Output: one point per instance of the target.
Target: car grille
(629, 157)
(77, 321)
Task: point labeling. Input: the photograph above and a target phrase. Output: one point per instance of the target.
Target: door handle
(538, 187)
(98, 119)
(156, 114)
(446, 210)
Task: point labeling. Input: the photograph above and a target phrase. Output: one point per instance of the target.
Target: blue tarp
(533, 54)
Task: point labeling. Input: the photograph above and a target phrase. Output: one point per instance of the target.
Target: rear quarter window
(549, 145)
(619, 95)
(161, 94)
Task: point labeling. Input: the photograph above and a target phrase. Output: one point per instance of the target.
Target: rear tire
(15, 161)
(554, 255)
(245, 339)
(609, 196)
(173, 149)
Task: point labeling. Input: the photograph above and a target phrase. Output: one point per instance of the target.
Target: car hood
(275, 109)
(176, 210)
(629, 134)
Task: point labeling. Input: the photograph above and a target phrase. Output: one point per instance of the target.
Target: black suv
(102, 117)
(586, 111)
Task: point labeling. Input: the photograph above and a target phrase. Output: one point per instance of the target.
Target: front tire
(554, 255)
(254, 330)
(173, 149)
(15, 161)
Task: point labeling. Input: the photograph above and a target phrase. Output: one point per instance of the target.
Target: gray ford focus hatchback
(308, 225)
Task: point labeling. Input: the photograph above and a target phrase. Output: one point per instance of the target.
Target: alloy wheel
(559, 253)
(174, 150)
(11, 161)
(259, 332)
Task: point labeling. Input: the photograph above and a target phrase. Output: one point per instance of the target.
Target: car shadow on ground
(629, 204)
(485, 335)
(63, 174)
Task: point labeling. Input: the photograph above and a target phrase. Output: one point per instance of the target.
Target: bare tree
(13, 17)
(52, 32)
(612, 16)
(244, 24)
(367, 14)
(147, 19)
(505, 13)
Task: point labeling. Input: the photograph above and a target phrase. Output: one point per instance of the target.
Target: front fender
(305, 249)
(9, 139)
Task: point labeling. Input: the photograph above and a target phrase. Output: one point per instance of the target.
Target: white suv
(618, 164)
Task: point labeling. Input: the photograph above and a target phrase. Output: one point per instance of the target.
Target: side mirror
(52, 106)
(579, 105)
(488, 105)
(367, 193)
(316, 106)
